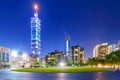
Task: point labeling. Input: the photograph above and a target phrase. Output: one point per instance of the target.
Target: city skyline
(88, 22)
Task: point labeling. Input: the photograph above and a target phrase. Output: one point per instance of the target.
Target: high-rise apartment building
(76, 54)
(101, 50)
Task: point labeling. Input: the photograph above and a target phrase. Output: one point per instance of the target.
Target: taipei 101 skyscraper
(35, 34)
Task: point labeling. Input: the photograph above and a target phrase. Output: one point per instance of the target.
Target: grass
(62, 70)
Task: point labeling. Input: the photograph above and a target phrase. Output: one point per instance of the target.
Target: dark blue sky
(89, 22)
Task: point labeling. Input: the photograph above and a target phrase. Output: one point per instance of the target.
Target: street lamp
(14, 54)
(62, 64)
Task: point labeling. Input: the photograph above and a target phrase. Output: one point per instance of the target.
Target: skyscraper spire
(67, 43)
(36, 7)
(36, 10)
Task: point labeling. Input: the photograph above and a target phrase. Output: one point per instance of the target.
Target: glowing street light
(14, 54)
(62, 64)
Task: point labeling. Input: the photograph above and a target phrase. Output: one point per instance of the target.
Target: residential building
(116, 46)
(101, 50)
(76, 55)
(56, 56)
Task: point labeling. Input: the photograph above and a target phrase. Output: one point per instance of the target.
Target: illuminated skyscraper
(67, 45)
(35, 34)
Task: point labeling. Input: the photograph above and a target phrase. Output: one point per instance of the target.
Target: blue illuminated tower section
(67, 45)
(35, 34)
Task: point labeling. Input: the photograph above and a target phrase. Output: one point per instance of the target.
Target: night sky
(88, 22)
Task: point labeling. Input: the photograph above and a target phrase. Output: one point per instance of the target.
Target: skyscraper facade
(35, 34)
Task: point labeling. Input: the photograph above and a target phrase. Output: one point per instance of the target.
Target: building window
(73, 58)
(80, 55)
(3, 57)
(7, 57)
(76, 52)
(76, 58)
(0, 57)
(76, 49)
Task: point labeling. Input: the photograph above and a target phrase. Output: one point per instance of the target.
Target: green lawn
(62, 70)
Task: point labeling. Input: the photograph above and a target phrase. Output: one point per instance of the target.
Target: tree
(92, 61)
(118, 57)
(51, 63)
(107, 60)
(36, 64)
(112, 59)
(101, 61)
